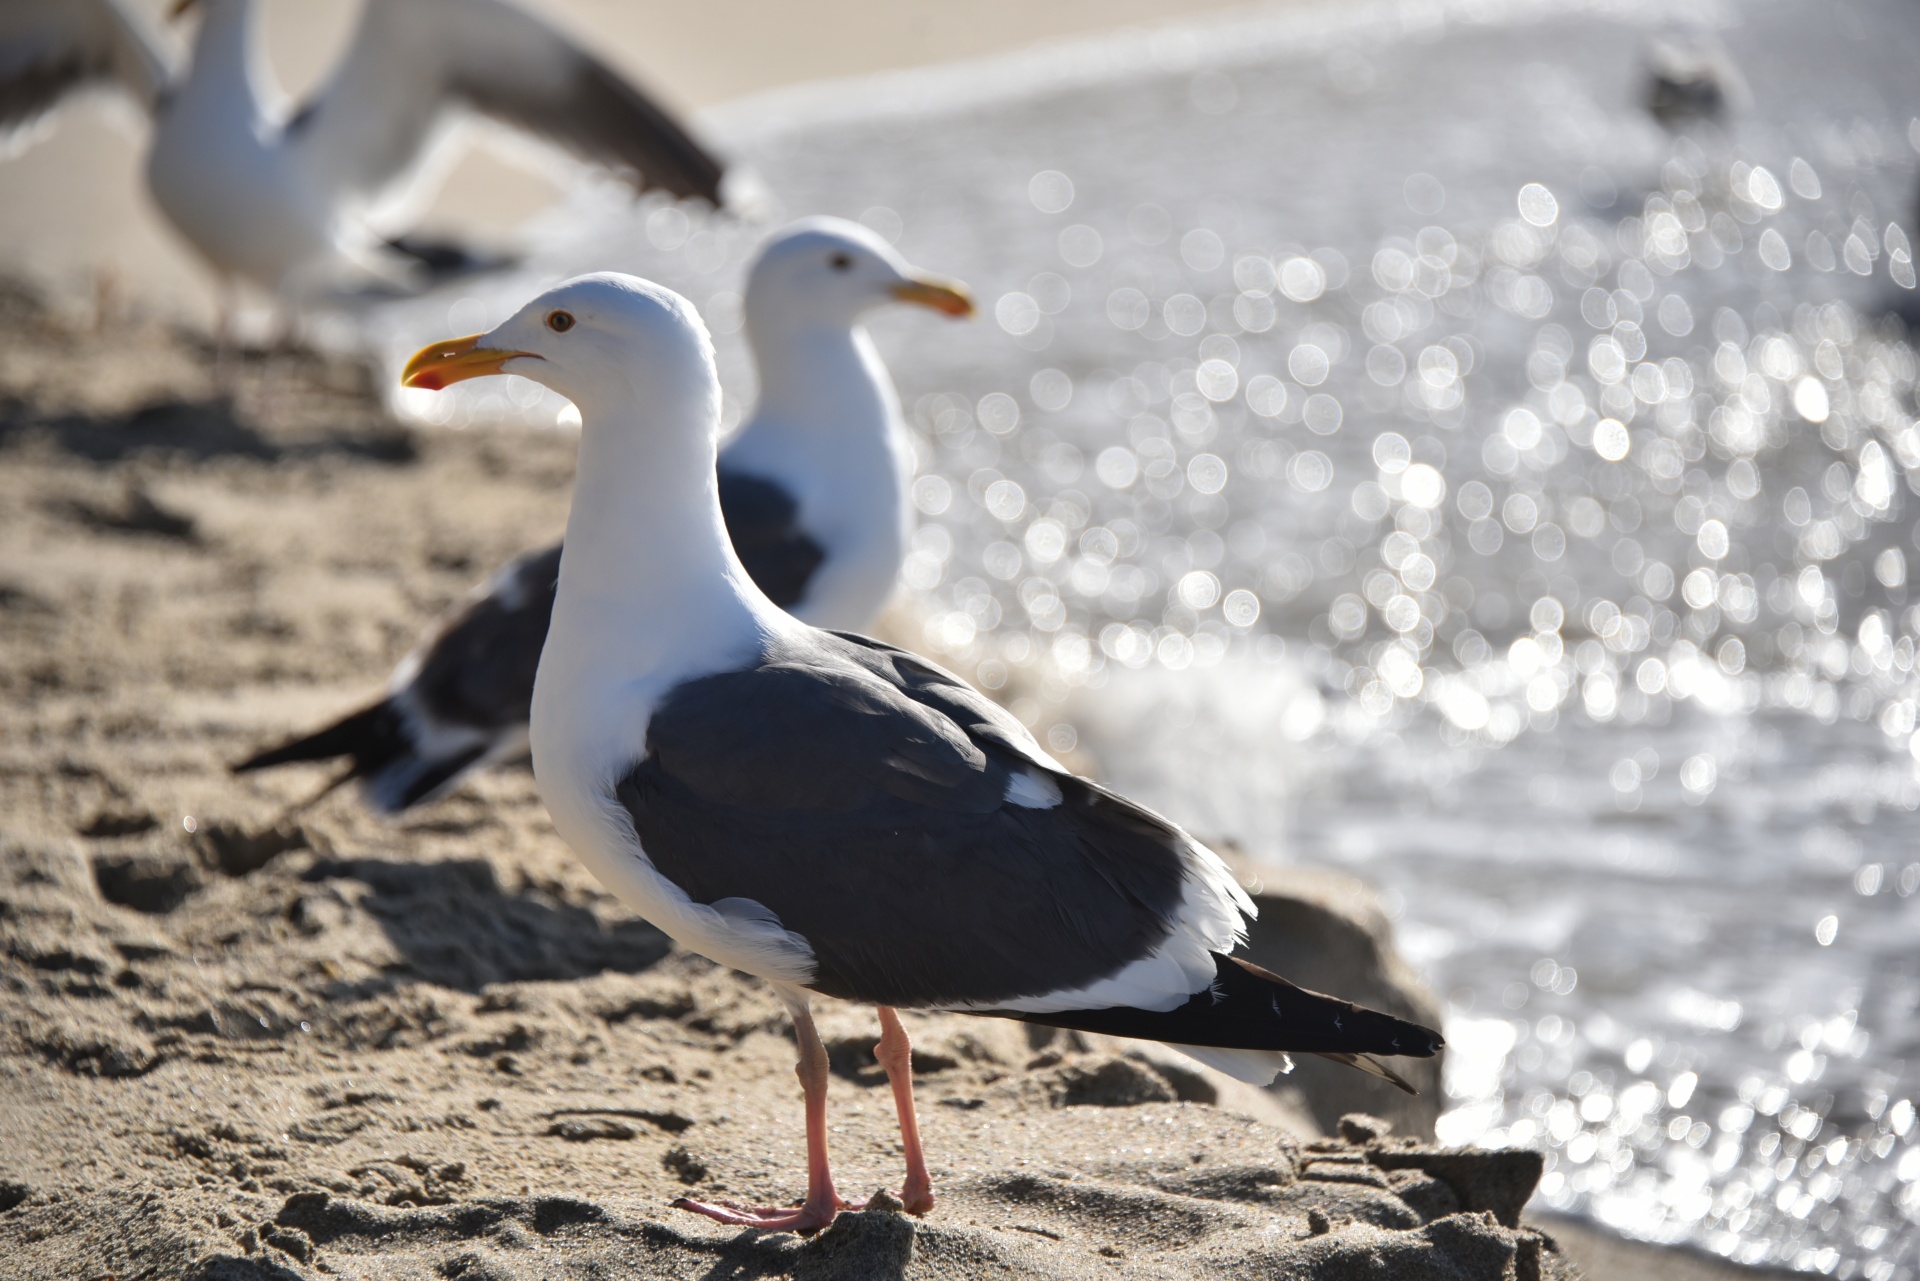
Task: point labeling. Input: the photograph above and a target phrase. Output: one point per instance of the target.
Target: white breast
(233, 193)
(587, 732)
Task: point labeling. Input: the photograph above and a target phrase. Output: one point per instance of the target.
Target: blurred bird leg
(106, 298)
(297, 808)
(226, 319)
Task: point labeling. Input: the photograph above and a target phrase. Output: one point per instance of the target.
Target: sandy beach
(238, 1043)
(1625, 797)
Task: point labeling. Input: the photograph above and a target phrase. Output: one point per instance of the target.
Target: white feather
(1033, 790)
(1255, 1067)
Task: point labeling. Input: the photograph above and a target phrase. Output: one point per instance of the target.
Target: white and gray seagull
(827, 812)
(304, 205)
(813, 487)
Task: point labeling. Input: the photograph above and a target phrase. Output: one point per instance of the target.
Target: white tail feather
(1255, 1067)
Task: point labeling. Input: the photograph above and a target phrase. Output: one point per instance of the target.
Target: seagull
(814, 490)
(290, 202)
(832, 814)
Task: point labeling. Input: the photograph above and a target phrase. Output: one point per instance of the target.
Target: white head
(609, 343)
(828, 272)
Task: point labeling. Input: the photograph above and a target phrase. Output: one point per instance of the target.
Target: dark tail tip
(1345, 1027)
(446, 260)
(371, 736)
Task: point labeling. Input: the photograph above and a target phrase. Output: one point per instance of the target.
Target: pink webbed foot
(804, 1219)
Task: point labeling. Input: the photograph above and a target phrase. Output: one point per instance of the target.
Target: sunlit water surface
(1389, 446)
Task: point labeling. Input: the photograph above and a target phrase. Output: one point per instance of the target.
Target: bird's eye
(559, 321)
(841, 262)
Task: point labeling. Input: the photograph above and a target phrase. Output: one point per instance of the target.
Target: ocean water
(1388, 445)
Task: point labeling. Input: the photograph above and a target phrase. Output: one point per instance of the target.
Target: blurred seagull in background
(308, 205)
(813, 489)
(830, 813)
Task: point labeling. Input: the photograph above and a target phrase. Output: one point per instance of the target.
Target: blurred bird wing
(50, 48)
(411, 61)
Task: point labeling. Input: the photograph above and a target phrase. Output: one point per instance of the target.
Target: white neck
(649, 576)
(824, 380)
(222, 75)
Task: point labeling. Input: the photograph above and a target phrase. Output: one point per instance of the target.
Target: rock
(1498, 1183)
(1327, 931)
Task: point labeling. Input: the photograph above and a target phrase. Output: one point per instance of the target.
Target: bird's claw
(803, 1219)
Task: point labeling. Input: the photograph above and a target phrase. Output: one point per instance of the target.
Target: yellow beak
(443, 364)
(948, 296)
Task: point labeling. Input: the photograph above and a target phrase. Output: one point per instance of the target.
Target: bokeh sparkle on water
(1470, 483)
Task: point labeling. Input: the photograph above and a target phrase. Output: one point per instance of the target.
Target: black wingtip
(1250, 1008)
(1378, 1032)
(1374, 1068)
(371, 736)
(444, 261)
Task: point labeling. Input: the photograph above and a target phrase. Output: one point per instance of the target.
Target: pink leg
(895, 1053)
(822, 1201)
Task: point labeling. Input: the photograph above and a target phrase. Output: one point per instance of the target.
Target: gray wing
(412, 60)
(478, 672)
(862, 796)
(50, 48)
(464, 701)
(763, 520)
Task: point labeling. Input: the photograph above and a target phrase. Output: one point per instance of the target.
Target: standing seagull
(827, 812)
(814, 490)
(291, 204)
